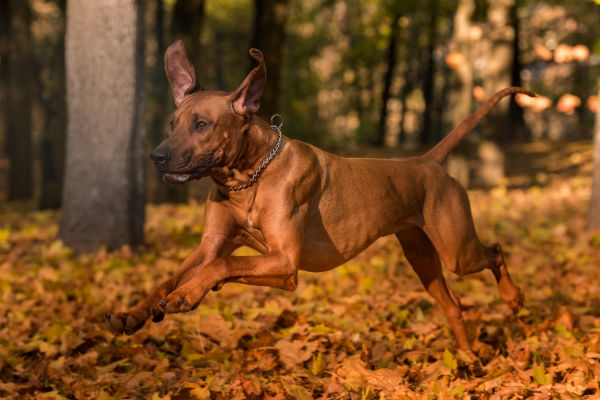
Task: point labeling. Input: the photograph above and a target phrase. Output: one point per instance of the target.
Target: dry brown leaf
(292, 353)
(382, 379)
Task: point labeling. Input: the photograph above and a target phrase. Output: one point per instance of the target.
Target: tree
(460, 92)
(269, 35)
(389, 75)
(103, 196)
(517, 129)
(593, 218)
(461, 100)
(410, 73)
(53, 135)
(428, 81)
(187, 22)
(19, 101)
(4, 46)
(497, 73)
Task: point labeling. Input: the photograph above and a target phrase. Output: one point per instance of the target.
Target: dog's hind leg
(424, 259)
(449, 225)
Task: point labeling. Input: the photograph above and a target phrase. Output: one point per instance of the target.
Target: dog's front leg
(273, 269)
(283, 232)
(211, 247)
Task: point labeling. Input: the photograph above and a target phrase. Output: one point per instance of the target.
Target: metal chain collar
(267, 160)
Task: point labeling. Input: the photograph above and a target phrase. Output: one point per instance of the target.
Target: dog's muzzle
(184, 176)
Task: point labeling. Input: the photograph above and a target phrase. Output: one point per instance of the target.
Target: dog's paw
(513, 297)
(123, 323)
(516, 302)
(176, 303)
(132, 321)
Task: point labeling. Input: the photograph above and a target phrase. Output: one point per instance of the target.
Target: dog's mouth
(183, 177)
(176, 178)
(187, 174)
(179, 177)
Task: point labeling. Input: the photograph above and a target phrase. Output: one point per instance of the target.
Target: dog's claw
(157, 317)
(176, 306)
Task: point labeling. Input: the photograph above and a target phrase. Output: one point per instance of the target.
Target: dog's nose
(160, 156)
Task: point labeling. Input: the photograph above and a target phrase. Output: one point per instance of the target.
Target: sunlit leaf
(540, 375)
(449, 361)
(297, 392)
(319, 363)
(198, 392)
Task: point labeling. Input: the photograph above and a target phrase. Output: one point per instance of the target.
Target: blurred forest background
(84, 99)
(348, 75)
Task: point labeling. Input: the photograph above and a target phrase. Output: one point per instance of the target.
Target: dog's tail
(441, 151)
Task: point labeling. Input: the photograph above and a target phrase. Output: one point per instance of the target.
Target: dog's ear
(246, 98)
(180, 72)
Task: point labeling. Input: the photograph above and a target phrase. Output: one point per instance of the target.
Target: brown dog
(308, 210)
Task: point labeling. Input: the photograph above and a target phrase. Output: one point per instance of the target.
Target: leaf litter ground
(366, 330)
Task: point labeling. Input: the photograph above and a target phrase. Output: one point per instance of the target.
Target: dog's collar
(267, 160)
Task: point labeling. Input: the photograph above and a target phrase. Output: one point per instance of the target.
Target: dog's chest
(250, 231)
(251, 218)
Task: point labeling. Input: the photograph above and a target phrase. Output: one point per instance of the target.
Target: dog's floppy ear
(246, 99)
(180, 72)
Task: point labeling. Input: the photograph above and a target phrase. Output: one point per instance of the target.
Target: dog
(303, 208)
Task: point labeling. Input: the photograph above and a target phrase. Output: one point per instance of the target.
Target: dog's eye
(200, 125)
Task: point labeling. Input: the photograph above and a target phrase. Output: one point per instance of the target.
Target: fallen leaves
(292, 353)
(367, 330)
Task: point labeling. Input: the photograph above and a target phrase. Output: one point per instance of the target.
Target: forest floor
(366, 330)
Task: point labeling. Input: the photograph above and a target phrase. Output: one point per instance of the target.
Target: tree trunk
(103, 197)
(593, 218)
(497, 72)
(19, 102)
(429, 81)
(187, 22)
(4, 46)
(410, 75)
(461, 98)
(269, 35)
(518, 130)
(53, 136)
(389, 75)
(440, 110)
(460, 91)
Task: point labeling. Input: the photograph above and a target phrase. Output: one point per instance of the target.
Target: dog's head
(206, 128)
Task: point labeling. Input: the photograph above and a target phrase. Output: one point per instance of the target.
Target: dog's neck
(255, 144)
